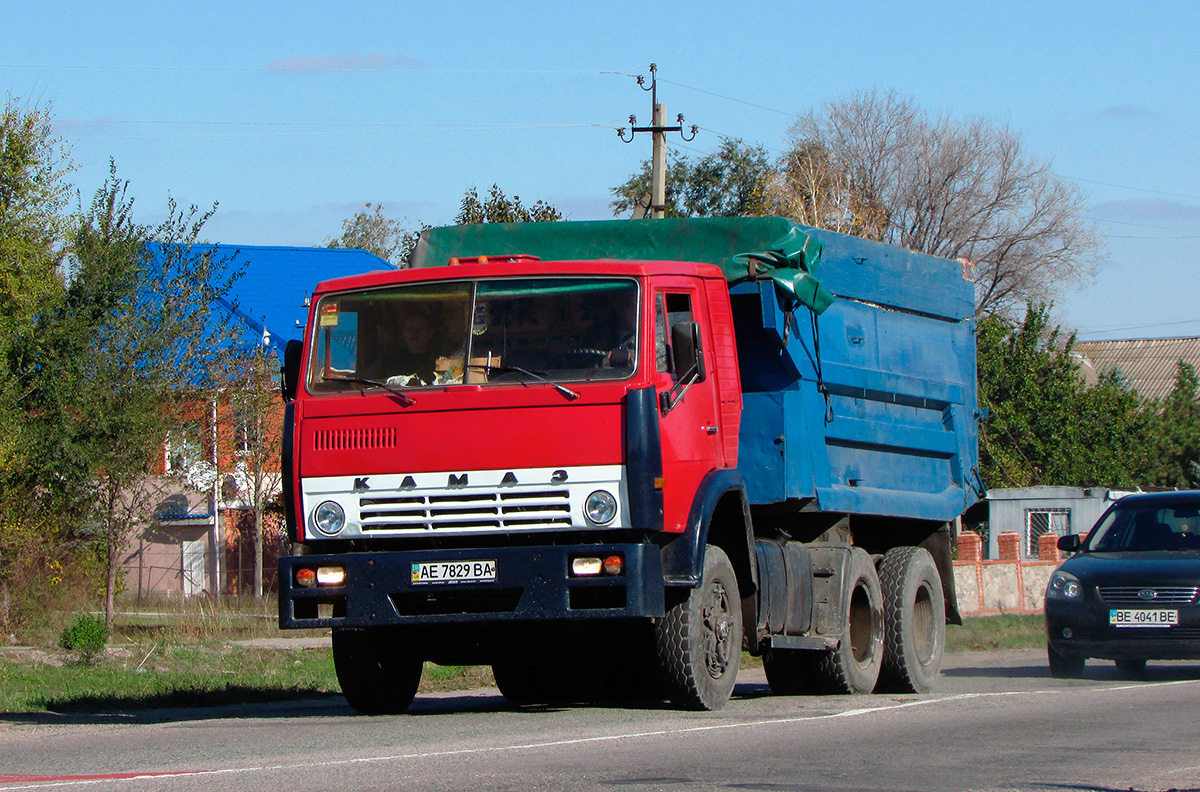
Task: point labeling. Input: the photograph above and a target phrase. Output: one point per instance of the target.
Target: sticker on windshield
(329, 315)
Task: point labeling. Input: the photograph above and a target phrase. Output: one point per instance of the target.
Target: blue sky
(292, 115)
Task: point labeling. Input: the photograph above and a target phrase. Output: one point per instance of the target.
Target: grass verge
(156, 663)
(1005, 631)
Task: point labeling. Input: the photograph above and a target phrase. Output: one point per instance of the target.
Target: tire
(378, 670)
(791, 672)
(854, 666)
(699, 640)
(1063, 667)
(529, 684)
(914, 621)
(1131, 668)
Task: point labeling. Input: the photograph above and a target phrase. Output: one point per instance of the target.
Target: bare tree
(877, 166)
(255, 436)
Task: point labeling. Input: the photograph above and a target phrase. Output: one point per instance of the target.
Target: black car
(1130, 593)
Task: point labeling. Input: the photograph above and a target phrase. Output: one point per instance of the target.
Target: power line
(359, 129)
(732, 99)
(1131, 236)
(1143, 225)
(307, 69)
(1128, 187)
(1137, 327)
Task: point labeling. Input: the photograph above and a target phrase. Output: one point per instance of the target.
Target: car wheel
(1063, 667)
(1131, 668)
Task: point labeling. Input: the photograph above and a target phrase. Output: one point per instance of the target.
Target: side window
(670, 308)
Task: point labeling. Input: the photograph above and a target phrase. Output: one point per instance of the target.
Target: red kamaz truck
(609, 457)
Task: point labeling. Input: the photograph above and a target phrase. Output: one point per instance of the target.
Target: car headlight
(1064, 585)
(600, 507)
(329, 518)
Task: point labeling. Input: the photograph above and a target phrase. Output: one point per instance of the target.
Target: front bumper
(532, 584)
(1091, 635)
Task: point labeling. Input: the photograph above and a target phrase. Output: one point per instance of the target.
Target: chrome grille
(468, 511)
(1131, 596)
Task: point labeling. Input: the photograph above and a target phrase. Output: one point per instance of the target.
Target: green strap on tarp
(745, 248)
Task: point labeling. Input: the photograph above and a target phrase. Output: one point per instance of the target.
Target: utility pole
(658, 137)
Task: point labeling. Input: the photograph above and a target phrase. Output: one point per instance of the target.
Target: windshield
(476, 332)
(1146, 526)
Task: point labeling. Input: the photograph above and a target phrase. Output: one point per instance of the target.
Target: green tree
(34, 194)
(370, 230)
(1178, 456)
(1043, 426)
(730, 182)
(499, 208)
(106, 369)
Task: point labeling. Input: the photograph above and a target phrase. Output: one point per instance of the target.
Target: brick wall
(1006, 585)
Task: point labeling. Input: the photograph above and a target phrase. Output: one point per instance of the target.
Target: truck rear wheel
(854, 666)
(914, 621)
(378, 670)
(699, 641)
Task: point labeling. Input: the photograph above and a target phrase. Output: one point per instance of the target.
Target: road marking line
(82, 780)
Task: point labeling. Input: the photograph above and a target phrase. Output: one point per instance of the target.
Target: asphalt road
(997, 721)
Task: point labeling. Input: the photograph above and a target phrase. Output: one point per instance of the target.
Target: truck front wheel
(854, 666)
(522, 683)
(699, 641)
(914, 621)
(378, 670)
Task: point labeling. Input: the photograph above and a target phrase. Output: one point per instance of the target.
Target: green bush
(86, 637)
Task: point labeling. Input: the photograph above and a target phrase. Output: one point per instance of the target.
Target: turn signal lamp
(614, 565)
(306, 577)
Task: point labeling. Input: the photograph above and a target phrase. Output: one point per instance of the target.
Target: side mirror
(687, 353)
(1069, 543)
(292, 354)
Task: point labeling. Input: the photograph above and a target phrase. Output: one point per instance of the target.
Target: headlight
(600, 507)
(329, 518)
(1064, 585)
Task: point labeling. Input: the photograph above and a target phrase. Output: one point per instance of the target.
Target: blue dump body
(872, 407)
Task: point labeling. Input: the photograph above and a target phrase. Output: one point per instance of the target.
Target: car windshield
(476, 332)
(1146, 526)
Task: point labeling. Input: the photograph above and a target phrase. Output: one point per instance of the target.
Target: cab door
(691, 443)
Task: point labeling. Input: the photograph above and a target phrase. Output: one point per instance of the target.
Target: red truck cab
(433, 400)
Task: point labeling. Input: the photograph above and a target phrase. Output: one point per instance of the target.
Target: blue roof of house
(269, 297)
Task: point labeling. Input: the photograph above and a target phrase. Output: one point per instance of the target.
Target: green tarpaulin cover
(745, 248)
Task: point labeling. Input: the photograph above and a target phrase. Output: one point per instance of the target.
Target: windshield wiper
(563, 389)
(404, 398)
